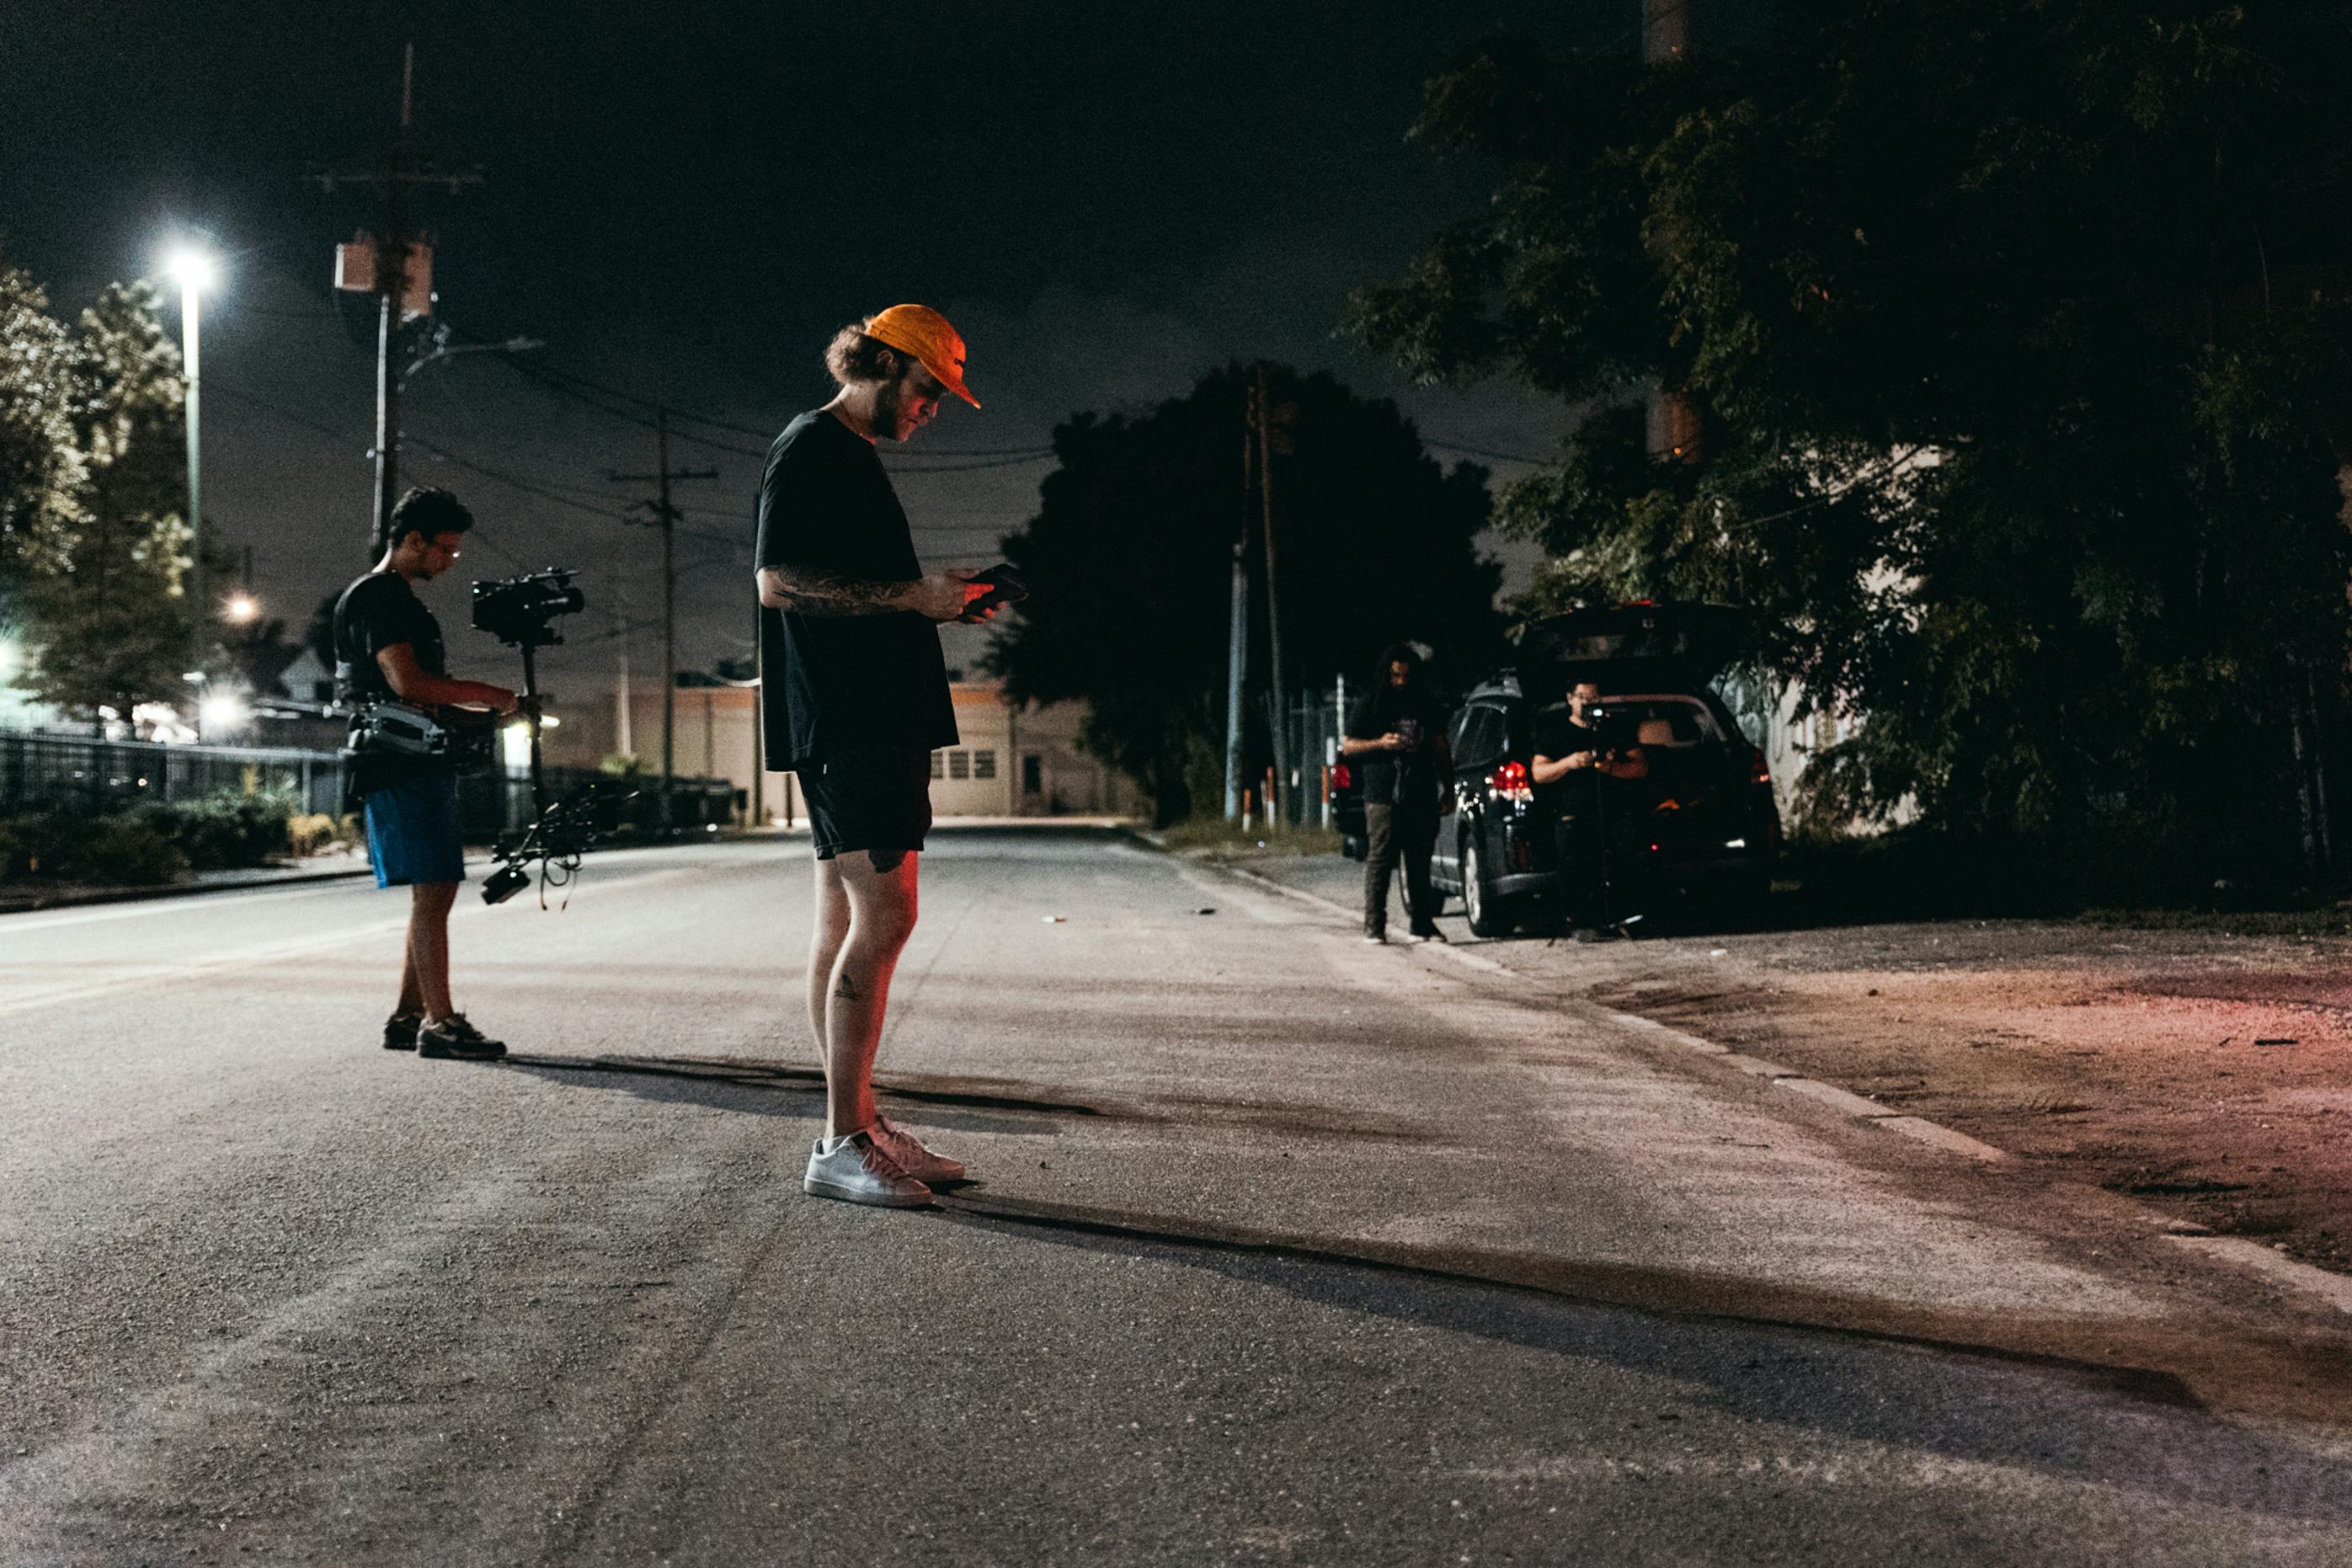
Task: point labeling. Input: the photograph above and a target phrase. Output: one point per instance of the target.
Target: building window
(983, 764)
(939, 764)
(1032, 774)
(959, 764)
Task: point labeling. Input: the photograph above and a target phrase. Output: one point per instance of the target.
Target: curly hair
(853, 357)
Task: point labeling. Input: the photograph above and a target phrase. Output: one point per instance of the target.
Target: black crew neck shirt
(1558, 735)
(379, 611)
(830, 684)
(1396, 778)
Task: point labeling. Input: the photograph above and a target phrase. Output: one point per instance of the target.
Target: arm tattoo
(814, 591)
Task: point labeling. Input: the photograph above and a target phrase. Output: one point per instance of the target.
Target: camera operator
(388, 649)
(1397, 733)
(1578, 760)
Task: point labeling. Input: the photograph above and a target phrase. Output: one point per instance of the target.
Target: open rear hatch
(1630, 648)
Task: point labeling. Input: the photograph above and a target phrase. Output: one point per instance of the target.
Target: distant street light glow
(241, 608)
(191, 268)
(223, 711)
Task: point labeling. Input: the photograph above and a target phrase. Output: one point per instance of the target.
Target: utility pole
(1267, 444)
(624, 741)
(666, 518)
(1672, 429)
(397, 269)
(1237, 637)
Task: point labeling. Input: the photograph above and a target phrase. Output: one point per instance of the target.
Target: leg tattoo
(846, 988)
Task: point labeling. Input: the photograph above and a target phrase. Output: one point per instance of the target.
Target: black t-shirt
(1396, 778)
(1558, 735)
(833, 683)
(377, 612)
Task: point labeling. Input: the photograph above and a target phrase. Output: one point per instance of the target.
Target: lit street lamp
(194, 269)
(241, 608)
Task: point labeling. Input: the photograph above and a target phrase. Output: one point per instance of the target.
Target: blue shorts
(414, 834)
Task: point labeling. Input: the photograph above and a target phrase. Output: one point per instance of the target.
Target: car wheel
(1489, 916)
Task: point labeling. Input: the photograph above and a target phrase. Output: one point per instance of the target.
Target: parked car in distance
(1706, 822)
(1348, 810)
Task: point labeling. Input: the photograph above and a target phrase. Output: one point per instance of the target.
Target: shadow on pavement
(1518, 1296)
(965, 1104)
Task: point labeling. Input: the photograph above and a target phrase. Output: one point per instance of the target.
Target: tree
(106, 619)
(1129, 560)
(41, 471)
(2017, 338)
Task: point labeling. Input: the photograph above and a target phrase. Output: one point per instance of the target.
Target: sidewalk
(2206, 1073)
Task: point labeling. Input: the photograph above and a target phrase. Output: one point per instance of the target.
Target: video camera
(519, 611)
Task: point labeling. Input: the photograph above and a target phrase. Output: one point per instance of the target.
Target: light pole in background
(193, 267)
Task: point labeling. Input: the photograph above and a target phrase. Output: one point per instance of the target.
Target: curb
(2250, 1256)
(176, 890)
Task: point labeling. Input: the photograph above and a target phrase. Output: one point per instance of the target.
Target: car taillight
(1761, 764)
(1340, 777)
(1510, 782)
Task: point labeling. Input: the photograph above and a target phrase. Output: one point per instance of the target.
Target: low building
(1008, 762)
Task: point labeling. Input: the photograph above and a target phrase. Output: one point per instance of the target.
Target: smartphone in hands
(1004, 587)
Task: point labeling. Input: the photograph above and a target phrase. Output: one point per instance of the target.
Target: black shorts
(868, 798)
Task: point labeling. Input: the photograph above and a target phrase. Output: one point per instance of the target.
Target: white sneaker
(914, 1158)
(857, 1169)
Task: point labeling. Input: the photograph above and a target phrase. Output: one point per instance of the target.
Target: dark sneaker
(453, 1037)
(1432, 934)
(400, 1031)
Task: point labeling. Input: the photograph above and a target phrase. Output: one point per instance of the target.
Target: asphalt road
(1286, 1249)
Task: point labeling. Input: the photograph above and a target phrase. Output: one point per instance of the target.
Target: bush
(123, 851)
(66, 844)
(308, 834)
(227, 830)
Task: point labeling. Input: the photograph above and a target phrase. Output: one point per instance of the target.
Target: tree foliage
(107, 621)
(1130, 559)
(41, 471)
(2016, 336)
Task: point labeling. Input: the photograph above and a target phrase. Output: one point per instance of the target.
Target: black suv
(1705, 822)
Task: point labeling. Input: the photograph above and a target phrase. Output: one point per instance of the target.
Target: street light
(194, 269)
(241, 608)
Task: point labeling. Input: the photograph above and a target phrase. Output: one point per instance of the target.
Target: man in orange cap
(853, 698)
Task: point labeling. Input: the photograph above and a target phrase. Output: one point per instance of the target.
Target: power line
(1037, 457)
(715, 422)
(512, 482)
(1486, 452)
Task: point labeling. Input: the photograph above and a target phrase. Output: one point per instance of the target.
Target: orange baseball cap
(922, 332)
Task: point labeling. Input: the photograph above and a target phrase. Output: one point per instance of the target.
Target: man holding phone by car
(1396, 734)
(1578, 758)
(853, 698)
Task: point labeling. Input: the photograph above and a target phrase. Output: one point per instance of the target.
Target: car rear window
(1666, 721)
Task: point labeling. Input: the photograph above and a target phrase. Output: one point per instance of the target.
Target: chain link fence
(40, 771)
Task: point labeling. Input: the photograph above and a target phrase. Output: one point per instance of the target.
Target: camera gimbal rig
(520, 612)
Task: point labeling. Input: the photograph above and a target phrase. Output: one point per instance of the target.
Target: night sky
(684, 201)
